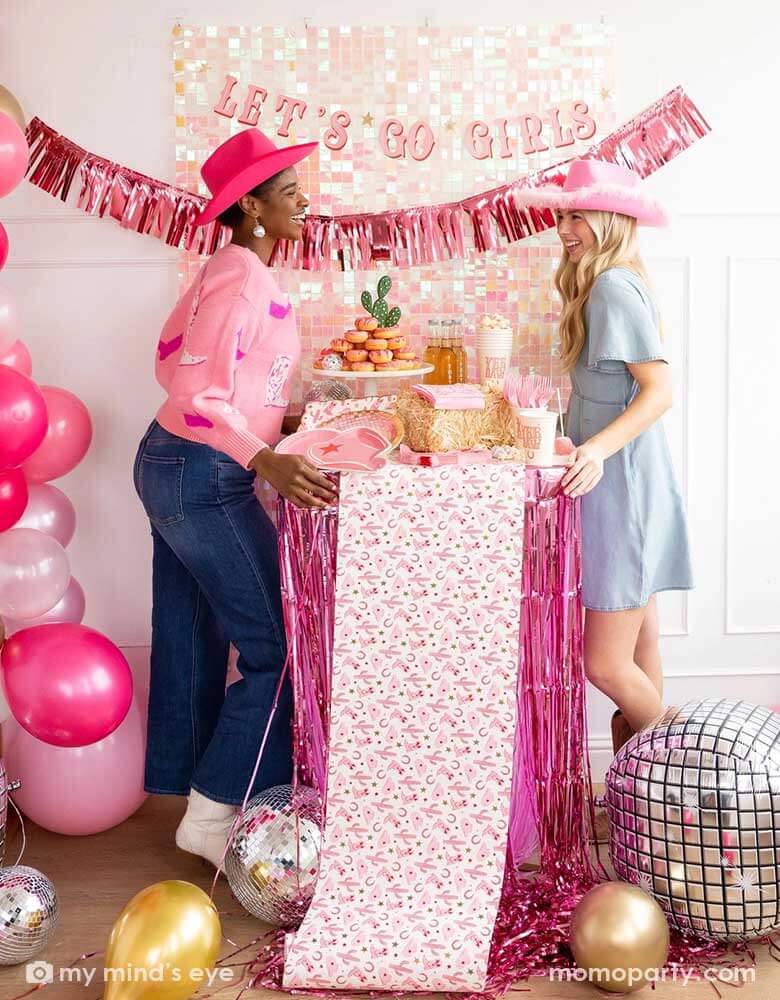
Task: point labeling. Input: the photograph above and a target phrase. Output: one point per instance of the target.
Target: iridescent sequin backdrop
(447, 76)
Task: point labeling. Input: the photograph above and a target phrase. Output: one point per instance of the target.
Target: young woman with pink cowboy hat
(634, 532)
(225, 358)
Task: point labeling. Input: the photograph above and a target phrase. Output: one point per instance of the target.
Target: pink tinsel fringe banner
(403, 238)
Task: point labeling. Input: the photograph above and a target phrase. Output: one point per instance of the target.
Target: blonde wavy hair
(616, 246)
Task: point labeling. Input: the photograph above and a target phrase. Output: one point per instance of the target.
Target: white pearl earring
(259, 230)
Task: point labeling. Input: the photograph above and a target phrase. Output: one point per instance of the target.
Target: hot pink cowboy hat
(602, 187)
(242, 162)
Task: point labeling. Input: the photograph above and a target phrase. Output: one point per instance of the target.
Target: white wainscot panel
(753, 446)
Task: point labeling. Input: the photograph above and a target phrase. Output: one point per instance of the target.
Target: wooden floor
(96, 876)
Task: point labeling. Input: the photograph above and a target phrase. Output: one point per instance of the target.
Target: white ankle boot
(205, 827)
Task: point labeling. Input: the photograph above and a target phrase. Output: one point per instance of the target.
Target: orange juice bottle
(447, 365)
(431, 355)
(460, 351)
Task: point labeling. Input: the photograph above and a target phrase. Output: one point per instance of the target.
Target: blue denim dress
(634, 531)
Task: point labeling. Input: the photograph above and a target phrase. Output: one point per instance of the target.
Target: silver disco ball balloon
(273, 860)
(324, 390)
(29, 911)
(694, 811)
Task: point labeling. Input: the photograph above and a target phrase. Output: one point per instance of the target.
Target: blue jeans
(215, 580)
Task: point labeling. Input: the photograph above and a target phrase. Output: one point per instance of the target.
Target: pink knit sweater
(225, 357)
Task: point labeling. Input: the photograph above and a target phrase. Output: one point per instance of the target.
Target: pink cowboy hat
(242, 162)
(601, 187)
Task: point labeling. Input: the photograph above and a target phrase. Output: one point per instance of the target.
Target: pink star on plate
(330, 448)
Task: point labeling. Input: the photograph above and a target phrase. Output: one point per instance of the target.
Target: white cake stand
(371, 380)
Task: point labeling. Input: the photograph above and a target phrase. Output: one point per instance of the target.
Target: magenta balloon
(70, 608)
(14, 154)
(3, 246)
(67, 439)
(9, 319)
(13, 497)
(18, 357)
(83, 790)
(34, 573)
(23, 417)
(49, 510)
(67, 684)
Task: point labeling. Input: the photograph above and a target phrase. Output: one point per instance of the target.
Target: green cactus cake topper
(379, 309)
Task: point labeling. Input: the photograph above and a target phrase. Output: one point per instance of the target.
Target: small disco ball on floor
(273, 860)
(29, 911)
(694, 810)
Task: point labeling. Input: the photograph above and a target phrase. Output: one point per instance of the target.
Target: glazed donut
(380, 357)
(397, 365)
(405, 355)
(354, 355)
(356, 336)
(384, 368)
(363, 366)
(407, 365)
(366, 323)
(341, 346)
(397, 343)
(375, 344)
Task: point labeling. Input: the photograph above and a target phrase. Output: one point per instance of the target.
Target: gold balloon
(163, 945)
(620, 937)
(11, 107)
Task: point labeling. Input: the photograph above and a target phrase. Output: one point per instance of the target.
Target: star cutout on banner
(368, 119)
(450, 126)
(606, 94)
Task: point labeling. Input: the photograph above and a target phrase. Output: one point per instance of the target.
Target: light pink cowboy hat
(242, 162)
(601, 187)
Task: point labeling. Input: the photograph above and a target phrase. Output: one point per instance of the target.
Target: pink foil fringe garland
(532, 927)
(403, 238)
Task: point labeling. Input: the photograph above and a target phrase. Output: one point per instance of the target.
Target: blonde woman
(634, 532)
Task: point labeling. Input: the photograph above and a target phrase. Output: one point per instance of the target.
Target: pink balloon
(67, 438)
(70, 608)
(13, 497)
(23, 417)
(34, 573)
(49, 510)
(14, 154)
(67, 684)
(9, 320)
(83, 790)
(18, 357)
(3, 246)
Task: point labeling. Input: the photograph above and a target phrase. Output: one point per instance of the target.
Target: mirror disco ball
(273, 860)
(328, 389)
(694, 812)
(29, 911)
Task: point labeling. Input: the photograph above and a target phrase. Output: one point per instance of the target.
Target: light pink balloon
(67, 684)
(18, 357)
(34, 573)
(9, 320)
(50, 511)
(3, 246)
(70, 608)
(82, 790)
(14, 154)
(67, 438)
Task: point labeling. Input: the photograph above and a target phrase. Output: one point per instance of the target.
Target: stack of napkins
(460, 396)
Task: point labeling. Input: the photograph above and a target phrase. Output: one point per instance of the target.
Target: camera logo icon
(39, 973)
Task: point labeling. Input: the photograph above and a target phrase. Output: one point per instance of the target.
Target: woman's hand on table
(295, 479)
(585, 471)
